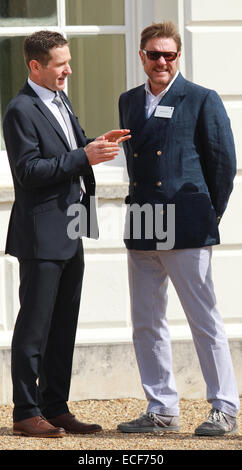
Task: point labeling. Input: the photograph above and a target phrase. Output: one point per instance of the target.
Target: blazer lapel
(137, 116)
(139, 110)
(172, 98)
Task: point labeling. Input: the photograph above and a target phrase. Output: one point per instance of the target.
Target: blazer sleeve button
(159, 153)
(135, 155)
(159, 183)
(135, 183)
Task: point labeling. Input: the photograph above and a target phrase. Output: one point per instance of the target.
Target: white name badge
(164, 111)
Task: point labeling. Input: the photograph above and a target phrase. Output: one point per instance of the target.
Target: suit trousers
(190, 272)
(44, 335)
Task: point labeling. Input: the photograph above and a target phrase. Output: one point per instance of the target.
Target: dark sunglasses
(156, 55)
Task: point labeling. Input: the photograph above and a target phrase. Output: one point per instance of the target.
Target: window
(28, 13)
(88, 12)
(97, 31)
(98, 65)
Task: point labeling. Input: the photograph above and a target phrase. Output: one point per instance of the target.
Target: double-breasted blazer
(46, 175)
(187, 160)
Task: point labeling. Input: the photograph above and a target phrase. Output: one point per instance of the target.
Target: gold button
(159, 183)
(135, 155)
(135, 183)
(159, 152)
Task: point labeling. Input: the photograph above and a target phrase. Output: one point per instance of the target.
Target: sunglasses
(156, 55)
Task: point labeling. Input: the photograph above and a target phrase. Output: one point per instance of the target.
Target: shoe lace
(150, 416)
(41, 418)
(153, 417)
(217, 415)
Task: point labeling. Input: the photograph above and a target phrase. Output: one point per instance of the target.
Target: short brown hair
(37, 46)
(167, 29)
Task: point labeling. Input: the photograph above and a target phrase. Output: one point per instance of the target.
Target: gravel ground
(108, 413)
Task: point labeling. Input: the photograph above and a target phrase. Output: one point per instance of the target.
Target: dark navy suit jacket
(46, 176)
(187, 160)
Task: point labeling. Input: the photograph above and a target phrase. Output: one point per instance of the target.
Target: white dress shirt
(47, 97)
(151, 100)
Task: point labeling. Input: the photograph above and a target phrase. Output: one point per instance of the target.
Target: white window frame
(129, 30)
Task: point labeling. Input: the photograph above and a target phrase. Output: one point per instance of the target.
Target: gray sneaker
(217, 424)
(151, 422)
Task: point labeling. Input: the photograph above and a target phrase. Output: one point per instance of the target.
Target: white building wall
(212, 40)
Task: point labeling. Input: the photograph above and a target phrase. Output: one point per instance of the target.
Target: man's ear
(34, 66)
(141, 54)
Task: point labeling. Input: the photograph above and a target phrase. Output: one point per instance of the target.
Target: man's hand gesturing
(100, 150)
(106, 146)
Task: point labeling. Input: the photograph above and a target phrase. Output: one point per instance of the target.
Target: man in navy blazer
(49, 156)
(181, 165)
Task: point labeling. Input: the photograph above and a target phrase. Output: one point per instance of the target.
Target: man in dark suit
(49, 155)
(181, 165)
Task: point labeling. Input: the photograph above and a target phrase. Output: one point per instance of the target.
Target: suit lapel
(81, 139)
(51, 118)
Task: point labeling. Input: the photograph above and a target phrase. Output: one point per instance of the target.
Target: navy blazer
(187, 160)
(46, 176)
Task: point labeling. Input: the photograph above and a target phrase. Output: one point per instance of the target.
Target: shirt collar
(163, 92)
(44, 93)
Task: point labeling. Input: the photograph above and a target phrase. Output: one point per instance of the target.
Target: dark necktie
(65, 114)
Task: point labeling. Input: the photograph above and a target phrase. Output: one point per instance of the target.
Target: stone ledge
(104, 191)
(6, 194)
(123, 335)
(114, 369)
(112, 190)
